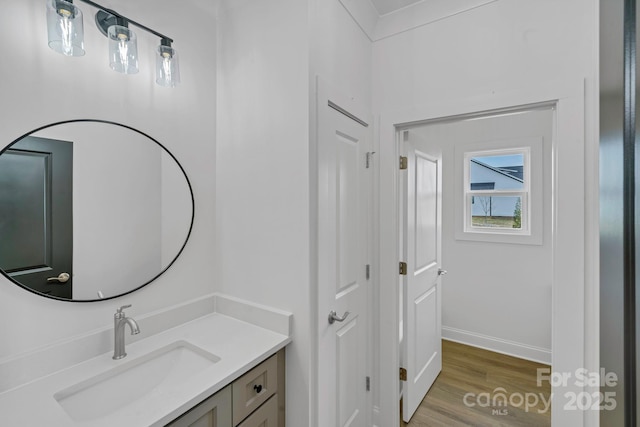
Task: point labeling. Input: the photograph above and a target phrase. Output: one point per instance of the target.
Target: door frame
(323, 94)
(572, 348)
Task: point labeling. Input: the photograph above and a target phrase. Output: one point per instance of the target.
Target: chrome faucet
(119, 321)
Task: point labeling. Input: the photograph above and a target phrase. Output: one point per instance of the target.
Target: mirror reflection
(90, 210)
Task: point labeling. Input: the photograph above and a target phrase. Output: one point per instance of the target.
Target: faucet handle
(119, 310)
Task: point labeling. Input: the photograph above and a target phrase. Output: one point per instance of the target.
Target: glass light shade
(167, 68)
(65, 28)
(123, 49)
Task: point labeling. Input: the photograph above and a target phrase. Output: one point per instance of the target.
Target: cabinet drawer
(264, 416)
(254, 388)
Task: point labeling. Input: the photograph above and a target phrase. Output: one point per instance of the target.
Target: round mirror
(90, 210)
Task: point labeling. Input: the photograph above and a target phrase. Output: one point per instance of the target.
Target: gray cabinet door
(264, 416)
(213, 412)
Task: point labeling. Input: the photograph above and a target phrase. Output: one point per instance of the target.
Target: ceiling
(380, 19)
(387, 6)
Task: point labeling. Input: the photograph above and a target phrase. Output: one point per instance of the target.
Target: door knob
(333, 317)
(442, 272)
(62, 278)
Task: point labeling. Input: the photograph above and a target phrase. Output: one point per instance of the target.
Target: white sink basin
(158, 372)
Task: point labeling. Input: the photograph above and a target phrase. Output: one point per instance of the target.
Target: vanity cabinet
(256, 399)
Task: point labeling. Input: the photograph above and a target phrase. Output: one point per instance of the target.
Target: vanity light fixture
(167, 70)
(123, 49)
(65, 30)
(66, 36)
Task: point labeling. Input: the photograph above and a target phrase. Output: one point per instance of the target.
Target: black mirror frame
(193, 208)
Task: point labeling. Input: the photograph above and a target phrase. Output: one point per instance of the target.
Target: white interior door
(344, 187)
(422, 352)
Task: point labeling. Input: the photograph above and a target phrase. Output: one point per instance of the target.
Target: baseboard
(499, 345)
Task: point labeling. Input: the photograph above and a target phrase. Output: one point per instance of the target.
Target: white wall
(270, 54)
(341, 53)
(40, 86)
(262, 190)
(497, 295)
(502, 44)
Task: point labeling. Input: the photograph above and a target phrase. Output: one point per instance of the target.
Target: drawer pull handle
(257, 388)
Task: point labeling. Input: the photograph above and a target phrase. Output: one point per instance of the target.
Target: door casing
(572, 347)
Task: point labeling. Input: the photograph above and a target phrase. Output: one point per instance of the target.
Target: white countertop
(239, 345)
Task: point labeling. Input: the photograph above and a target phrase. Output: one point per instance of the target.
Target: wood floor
(477, 374)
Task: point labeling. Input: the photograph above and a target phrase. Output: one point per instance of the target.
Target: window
(501, 183)
(502, 190)
(496, 191)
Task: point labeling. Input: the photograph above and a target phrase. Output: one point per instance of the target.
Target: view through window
(496, 190)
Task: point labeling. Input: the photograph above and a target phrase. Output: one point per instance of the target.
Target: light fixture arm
(127, 20)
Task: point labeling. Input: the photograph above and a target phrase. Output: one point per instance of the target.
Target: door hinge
(403, 374)
(403, 268)
(369, 158)
(404, 162)
(368, 381)
(367, 271)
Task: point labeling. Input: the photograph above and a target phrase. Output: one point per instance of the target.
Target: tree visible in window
(485, 204)
(517, 215)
